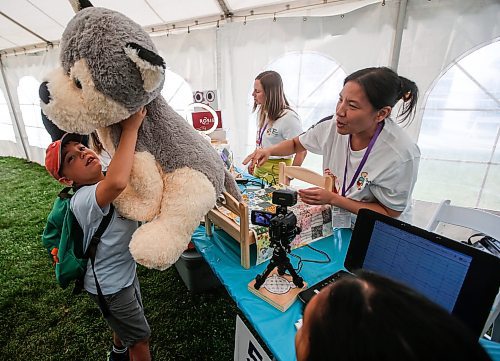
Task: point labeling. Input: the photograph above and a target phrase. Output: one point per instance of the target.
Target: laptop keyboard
(306, 295)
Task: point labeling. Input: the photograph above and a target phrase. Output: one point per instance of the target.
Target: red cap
(53, 154)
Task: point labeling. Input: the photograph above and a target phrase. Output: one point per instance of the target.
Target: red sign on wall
(204, 120)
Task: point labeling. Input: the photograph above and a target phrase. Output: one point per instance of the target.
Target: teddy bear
(109, 69)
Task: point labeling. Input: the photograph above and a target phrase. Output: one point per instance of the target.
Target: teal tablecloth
(277, 328)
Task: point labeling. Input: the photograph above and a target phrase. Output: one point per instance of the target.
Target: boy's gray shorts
(126, 317)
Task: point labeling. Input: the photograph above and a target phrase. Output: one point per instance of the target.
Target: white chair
(477, 220)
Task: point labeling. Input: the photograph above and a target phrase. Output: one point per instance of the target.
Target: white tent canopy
(27, 25)
(224, 44)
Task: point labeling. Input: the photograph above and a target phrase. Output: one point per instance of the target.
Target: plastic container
(195, 272)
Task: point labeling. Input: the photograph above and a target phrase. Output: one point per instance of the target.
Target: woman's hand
(317, 195)
(135, 120)
(251, 169)
(257, 158)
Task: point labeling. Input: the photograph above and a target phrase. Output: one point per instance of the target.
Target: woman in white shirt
(373, 161)
(276, 122)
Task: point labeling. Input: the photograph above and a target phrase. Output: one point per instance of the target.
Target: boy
(73, 164)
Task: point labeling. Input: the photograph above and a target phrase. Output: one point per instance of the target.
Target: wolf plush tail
(231, 186)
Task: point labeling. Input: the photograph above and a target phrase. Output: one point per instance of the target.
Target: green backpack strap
(66, 193)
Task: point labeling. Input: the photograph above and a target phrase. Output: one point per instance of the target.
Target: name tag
(341, 218)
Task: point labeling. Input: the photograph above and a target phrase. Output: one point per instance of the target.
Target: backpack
(63, 239)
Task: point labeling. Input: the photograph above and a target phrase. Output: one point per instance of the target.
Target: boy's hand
(135, 120)
(120, 167)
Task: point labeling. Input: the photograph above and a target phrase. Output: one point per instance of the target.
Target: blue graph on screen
(432, 269)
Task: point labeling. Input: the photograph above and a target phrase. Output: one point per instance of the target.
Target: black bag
(485, 243)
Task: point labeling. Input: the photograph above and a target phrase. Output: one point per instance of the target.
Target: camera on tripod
(282, 231)
(282, 224)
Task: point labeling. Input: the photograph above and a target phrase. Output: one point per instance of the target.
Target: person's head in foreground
(72, 163)
(370, 317)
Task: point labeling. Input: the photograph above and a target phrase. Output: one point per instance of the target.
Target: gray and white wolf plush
(110, 68)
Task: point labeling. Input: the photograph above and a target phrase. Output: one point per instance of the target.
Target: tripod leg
(297, 280)
(281, 269)
(259, 279)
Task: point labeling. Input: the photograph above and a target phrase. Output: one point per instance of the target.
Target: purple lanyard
(259, 140)
(363, 161)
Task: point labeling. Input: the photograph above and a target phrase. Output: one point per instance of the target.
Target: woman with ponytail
(372, 159)
(276, 122)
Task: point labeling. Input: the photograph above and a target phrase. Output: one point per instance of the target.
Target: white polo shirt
(389, 173)
(288, 126)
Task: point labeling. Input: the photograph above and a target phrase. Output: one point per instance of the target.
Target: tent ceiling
(24, 23)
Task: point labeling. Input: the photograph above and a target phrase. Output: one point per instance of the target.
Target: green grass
(40, 321)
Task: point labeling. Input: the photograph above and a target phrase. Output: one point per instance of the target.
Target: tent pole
(13, 112)
(398, 35)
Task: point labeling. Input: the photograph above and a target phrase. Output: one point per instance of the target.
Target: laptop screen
(430, 268)
(460, 278)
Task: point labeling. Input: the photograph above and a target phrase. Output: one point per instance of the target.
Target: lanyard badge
(341, 218)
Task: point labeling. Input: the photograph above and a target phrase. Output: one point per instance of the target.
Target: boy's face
(80, 164)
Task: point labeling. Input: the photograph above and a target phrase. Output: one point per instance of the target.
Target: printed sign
(204, 120)
(246, 347)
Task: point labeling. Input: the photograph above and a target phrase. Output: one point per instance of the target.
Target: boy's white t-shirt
(389, 173)
(288, 126)
(114, 266)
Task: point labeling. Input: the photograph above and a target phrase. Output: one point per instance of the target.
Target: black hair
(384, 87)
(370, 317)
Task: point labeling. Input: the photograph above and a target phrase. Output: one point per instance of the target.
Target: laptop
(462, 279)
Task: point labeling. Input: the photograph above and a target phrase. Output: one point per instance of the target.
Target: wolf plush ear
(78, 5)
(150, 64)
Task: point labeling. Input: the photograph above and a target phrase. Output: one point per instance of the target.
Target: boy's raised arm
(119, 169)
